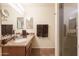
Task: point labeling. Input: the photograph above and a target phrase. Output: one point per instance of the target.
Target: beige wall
(42, 14)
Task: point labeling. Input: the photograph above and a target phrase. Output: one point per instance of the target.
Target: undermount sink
(20, 40)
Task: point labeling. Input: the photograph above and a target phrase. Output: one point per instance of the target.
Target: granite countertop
(19, 42)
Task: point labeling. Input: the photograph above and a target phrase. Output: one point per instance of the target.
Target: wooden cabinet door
(5, 51)
(13, 51)
(17, 50)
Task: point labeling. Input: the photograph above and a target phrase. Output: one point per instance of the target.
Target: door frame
(56, 29)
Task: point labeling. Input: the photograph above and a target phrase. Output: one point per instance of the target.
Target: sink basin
(20, 40)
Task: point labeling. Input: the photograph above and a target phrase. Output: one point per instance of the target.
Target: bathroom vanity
(18, 47)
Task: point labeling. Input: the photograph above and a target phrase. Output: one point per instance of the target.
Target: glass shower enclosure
(68, 29)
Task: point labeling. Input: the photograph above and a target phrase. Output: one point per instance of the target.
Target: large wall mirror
(20, 22)
(29, 23)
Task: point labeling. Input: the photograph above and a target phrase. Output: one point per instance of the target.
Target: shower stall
(68, 29)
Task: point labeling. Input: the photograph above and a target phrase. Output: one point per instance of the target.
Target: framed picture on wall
(20, 22)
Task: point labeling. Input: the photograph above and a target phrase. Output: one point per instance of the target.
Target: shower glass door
(68, 36)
